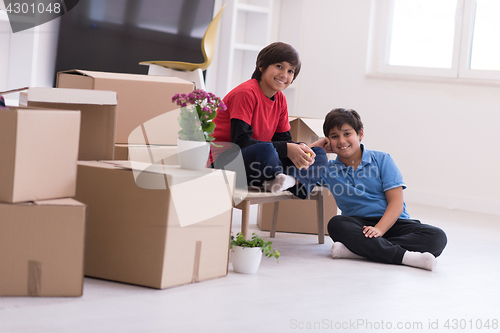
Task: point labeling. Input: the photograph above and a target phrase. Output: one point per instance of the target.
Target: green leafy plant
(256, 241)
(198, 110)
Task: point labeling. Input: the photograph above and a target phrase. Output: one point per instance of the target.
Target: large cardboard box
(154, 225)
(41, 248)
(297, 215)
(167, 155)
(141, 98)
(98, 116)
(38, 149)
(300, 215)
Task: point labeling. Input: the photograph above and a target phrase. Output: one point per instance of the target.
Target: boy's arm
(241, 134)
(323, 143)
(392, 212)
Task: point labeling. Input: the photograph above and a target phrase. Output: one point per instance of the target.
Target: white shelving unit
(245, 30)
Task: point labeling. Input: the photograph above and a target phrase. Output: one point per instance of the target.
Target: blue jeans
(261, 163)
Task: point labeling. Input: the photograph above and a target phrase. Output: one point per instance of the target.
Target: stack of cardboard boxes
(141, 227)
(41, 227)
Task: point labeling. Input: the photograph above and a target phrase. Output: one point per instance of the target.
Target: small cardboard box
(153, 225)
(41, 248)
(141, 98)
(297, 215)
(98, 112)
(307, 130)
(166, 155)
(38, 149)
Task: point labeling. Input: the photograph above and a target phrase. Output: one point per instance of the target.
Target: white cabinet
(245, 30)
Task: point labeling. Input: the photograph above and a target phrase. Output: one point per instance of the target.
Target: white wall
(28, 57)
(443, 136)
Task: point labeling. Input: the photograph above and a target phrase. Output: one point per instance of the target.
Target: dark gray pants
(404, 235)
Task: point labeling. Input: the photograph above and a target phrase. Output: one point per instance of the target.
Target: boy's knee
(336, 225)
(439, 242)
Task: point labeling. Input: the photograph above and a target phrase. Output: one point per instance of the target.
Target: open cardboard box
(98, 116)
(154, 225)
(38, 149)
(299, 215)
(141, 99)
(41, 248)
(307, 130)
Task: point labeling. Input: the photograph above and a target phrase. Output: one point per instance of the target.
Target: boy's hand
(301, 155)
(323, 143)
(371, 232)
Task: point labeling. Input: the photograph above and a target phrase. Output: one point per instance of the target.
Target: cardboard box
(98, 116)
(160, 227)
(300, 215)
(141, 98)
(41, 248)
(166, 155)
(38, 149)
(307, 130)
(297, 215)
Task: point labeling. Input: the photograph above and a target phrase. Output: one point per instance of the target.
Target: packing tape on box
(34, 278)
(196, 266)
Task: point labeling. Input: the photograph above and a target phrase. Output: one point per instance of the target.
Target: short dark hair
(338, 117)
(275, 53)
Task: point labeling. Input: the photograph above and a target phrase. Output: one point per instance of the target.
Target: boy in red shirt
(256, 121)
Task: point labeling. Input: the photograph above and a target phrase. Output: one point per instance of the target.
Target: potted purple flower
(198, 110)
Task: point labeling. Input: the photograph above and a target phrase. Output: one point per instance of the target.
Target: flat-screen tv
(115, 35)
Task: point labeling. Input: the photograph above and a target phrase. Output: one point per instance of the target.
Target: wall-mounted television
(115, 35)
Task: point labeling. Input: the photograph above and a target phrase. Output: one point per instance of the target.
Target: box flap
(98, 164)
(314, 124)
(69, 96)
(59, 202)
(157, 168)
(12, 91)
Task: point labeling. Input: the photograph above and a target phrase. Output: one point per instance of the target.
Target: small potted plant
(246, 254)
(198, 110)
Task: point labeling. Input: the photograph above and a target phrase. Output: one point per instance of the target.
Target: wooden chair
(256, 196)
(187, 70)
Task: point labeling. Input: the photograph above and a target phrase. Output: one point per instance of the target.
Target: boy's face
(345, 142)
(276, 77)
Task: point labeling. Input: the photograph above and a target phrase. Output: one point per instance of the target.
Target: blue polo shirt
(361, 192)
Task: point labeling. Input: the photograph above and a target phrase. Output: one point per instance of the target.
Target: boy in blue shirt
(368, 188)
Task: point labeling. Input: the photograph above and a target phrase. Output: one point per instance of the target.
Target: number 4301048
(471, 324)
(26, 8)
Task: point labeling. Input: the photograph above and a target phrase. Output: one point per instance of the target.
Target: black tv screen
(115, 35)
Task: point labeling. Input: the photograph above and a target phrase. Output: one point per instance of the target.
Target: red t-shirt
(247, 102)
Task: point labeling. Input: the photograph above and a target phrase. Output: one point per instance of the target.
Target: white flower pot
(193, 154)
(246, 259)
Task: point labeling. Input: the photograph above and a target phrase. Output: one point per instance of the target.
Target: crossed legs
(408, 242)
